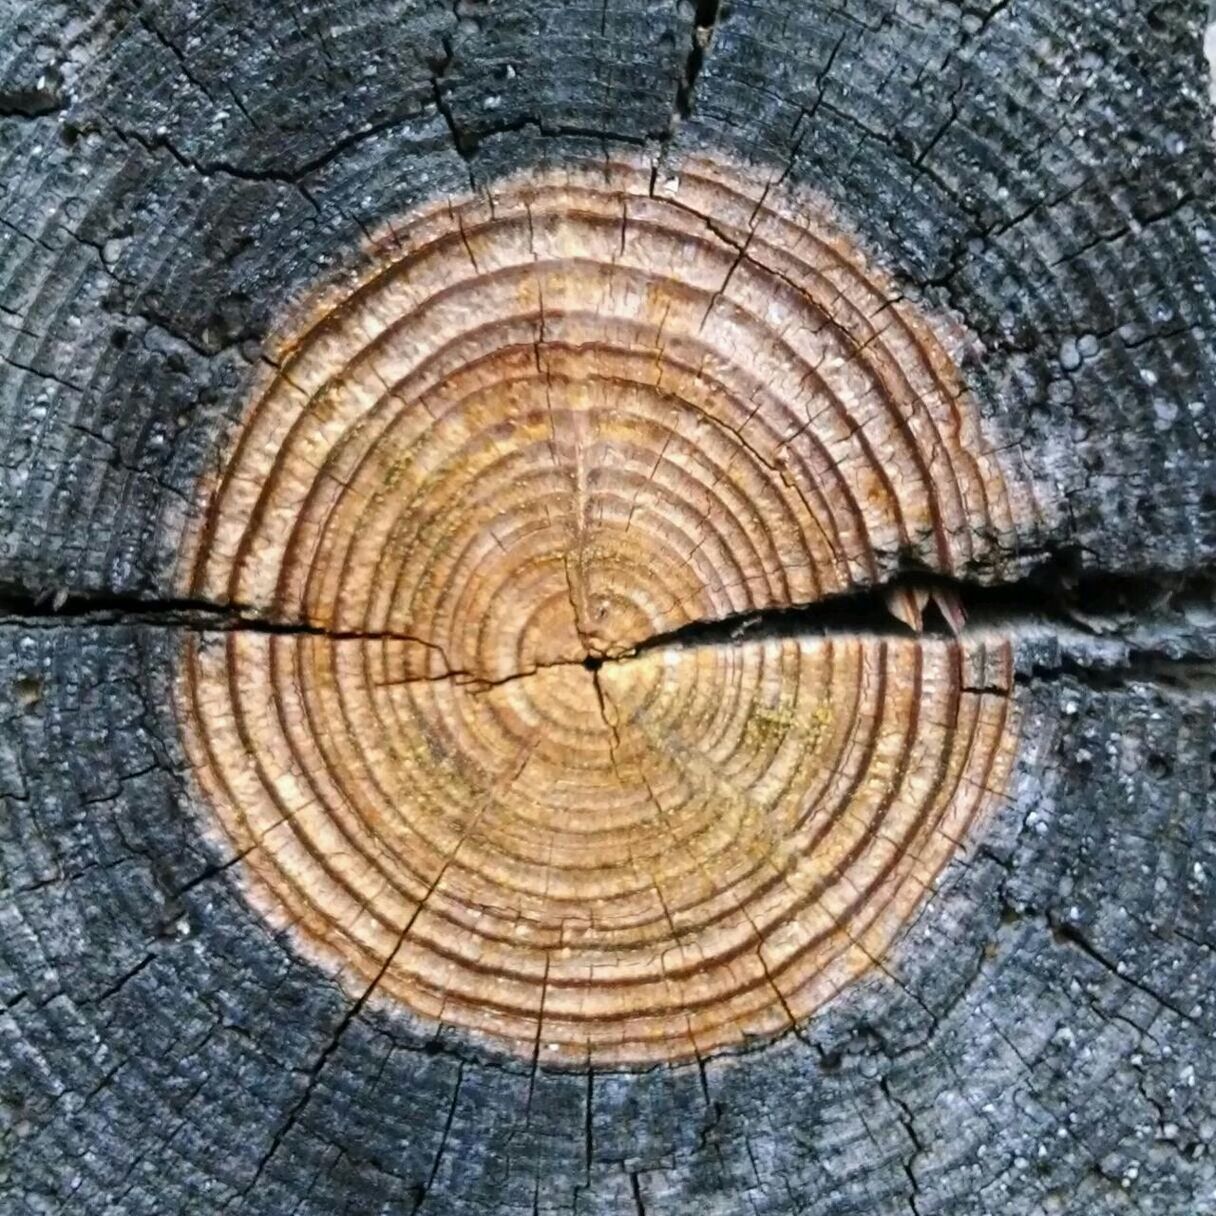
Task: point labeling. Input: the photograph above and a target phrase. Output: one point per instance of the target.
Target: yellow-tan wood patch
(551, 424)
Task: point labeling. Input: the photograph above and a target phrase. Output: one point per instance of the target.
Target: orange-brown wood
(551, 424)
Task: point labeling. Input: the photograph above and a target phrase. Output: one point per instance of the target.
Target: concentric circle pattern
(548, 425)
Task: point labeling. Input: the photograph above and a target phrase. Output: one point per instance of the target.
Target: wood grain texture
(593, 406)
(544, 428)
(687, 850)
(192, 1021)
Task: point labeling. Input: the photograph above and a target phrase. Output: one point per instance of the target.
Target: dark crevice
(859, 612)
(705, 21)
(909, 1126)
(298, 1107)
(439, 70)
(468, 143)
(636, 1190)
(1130, 613)
(1184, 674)
(169, 45)
(1067, 933)
(424, 1189)
(1049, 597)
(117, 985)
(30, 103)
(588, 1128)
(102, 608)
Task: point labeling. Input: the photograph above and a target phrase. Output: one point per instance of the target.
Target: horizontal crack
(1053, 602)
(1103, 605)
(1184, 674)
(96, 608)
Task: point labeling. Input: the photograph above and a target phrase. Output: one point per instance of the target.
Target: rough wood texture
(546, 427)
(680, 852)
(277, 780)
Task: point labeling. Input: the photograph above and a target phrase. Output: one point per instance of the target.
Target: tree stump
(607, 609)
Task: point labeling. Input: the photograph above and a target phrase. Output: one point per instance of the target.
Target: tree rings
(547, 425)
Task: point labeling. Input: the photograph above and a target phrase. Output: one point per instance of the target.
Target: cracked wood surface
(551, 425)
(1034, 174)
(644, 862)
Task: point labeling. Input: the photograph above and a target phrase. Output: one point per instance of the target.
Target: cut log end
(675, 853)
(584, 411)
(607, 608)
(542, 429)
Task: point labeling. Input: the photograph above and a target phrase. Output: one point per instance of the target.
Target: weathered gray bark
(1043, 1039)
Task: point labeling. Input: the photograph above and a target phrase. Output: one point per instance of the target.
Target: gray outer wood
(1042, 1042)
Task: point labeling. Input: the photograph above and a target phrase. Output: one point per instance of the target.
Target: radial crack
(1111, 610)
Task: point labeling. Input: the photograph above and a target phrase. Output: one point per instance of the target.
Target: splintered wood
(546, 426)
